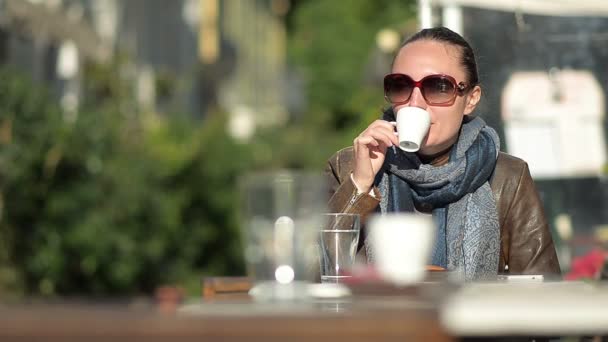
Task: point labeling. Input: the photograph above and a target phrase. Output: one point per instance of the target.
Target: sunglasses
(437, 90)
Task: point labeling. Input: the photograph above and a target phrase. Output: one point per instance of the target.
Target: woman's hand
(370, 150)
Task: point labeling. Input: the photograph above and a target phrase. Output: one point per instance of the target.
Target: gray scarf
(464, 210)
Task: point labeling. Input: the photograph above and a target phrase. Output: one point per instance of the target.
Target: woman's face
(428, 57)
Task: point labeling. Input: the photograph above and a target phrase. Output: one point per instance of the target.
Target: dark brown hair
(445, 35)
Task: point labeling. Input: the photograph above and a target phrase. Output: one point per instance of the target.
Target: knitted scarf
(459, 193)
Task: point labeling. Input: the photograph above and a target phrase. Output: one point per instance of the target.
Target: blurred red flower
(587, 266)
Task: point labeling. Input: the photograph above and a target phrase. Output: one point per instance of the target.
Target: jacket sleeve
(531, 249)
(343, 196)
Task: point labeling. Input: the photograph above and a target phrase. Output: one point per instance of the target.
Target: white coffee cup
(412, 126)
(402, 245)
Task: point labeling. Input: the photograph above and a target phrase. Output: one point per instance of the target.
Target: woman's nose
(417, 100)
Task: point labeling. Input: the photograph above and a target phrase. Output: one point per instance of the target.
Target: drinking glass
(339, 237)
(280, 220)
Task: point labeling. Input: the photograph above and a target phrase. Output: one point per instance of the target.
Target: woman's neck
(436, 159)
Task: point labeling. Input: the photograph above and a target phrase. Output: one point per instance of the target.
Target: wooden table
(363, 320)
(370, 314)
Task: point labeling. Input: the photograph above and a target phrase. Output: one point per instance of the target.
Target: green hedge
(107, 205)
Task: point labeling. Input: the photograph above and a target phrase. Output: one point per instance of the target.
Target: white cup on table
(402, 245)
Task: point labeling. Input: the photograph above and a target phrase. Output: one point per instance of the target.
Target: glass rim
(341, 214)
(334, 220)
(278, 175)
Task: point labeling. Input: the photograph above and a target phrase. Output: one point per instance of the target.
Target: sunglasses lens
(438, 89)
(398, 88)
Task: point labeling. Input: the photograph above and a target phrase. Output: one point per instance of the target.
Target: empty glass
(339, 237)
(280, 219)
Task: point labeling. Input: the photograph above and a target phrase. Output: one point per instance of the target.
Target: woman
(488, 213)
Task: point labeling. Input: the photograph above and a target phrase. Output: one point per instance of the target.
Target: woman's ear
(472, 99)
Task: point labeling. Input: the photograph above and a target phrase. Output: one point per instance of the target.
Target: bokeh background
(126, 124)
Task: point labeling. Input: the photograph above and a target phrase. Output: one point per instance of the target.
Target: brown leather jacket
(526, 243)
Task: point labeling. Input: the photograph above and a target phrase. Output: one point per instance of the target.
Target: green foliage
(333, 45)
(103, 206)
(26, 162)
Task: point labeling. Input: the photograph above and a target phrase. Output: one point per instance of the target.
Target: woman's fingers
(370, 147)
(366, 140)
(385, 127)
(376, 136)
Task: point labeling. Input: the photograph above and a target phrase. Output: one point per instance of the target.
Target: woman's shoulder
(509, 163)
(509, 171)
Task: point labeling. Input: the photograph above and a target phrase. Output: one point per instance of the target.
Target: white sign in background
(554, 122)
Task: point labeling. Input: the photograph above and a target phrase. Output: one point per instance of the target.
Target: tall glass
(281, 219)
(339, 237)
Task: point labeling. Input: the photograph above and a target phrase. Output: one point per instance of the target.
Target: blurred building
(49, 42)
(191, 56)
(542, 64)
